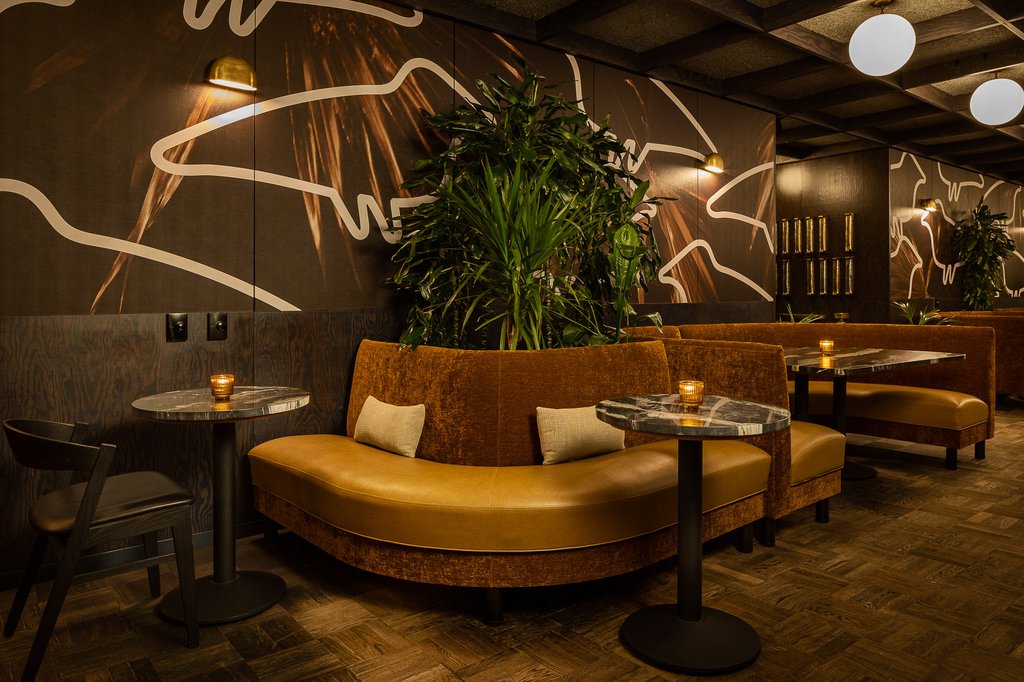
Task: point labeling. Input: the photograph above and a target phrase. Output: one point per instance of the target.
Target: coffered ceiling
(789, 57)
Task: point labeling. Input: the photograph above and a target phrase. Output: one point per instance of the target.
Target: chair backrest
(40, 444)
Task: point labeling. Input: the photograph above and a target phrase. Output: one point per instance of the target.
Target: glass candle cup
(827, 346)
(691, 394)
(222, 385)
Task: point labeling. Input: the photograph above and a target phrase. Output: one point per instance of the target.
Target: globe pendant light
(882, 44)
(997, 101)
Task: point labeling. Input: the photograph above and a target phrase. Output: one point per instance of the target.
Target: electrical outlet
(216, 326)
(177, 326)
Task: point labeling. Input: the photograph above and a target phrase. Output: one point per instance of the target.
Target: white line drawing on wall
(203, 20)
(7, 4)
(71, 233)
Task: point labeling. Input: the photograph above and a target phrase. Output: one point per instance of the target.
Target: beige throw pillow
(394, 428)
(575, 433)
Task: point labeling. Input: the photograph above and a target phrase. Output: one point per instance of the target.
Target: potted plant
(537, 228)
(980, 243)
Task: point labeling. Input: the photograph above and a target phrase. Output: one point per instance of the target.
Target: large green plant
(980, 243)
(535, 228)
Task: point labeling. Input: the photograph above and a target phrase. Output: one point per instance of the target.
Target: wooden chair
(97, 511)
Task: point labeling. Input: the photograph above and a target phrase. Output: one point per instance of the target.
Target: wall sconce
(997, 101)
(928, 205)
(232, 72)
(883, 43)
(713, 163)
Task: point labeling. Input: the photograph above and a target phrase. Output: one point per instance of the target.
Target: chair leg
(182, 534)
(951, 459)
(766, 532)
(979, 450)
(44, 631)
(149, 542)
(744, 538)
(821, 511)
(25, 587)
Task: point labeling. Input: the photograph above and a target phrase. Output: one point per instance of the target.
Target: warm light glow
(928, 205)
(232, 72)
(713, 163)
(997, 101)
(222, 386)
(827, 346)
(691, 393)
(882, 44)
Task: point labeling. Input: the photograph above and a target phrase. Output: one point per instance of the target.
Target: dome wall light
(232, 72)
(928, 205)
(997, 101)
(713, 163)
(882, 44)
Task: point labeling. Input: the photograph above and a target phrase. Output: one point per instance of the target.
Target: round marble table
(688, 637)
(228, 594)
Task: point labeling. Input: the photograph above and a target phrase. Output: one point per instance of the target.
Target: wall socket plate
(216, 326)
(177, 327)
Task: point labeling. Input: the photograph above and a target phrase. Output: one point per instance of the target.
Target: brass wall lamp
(232, 72)
(928, 205)
(713, 163)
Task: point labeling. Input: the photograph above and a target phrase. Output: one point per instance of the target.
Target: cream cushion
(574, 433)
(394, 428)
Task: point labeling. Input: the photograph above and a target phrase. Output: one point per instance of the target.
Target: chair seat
(123, 496)
(815, 450)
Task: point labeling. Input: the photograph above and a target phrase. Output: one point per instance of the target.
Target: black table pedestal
(718, 643)
(687, 637)
(251, 592)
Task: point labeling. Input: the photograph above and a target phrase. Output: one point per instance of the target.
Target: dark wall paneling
(923, 265)
(832, 186)
(710, 313)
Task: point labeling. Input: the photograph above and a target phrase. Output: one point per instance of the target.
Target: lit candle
(691, 393)
(827, 346)
(222, 385)
(826, 362)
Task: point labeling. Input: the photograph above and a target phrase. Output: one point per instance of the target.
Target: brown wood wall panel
(833, 186)
(91, 368)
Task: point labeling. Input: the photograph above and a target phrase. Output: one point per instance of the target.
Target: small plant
(928, 314)
(808, 318)
(980, 243)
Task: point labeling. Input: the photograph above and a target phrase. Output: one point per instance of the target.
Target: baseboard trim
(105, 560)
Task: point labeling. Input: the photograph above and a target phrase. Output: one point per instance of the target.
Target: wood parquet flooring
(919, 576)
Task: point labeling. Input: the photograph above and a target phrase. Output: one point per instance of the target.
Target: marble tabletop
(717, 416)
(809, 360)
(197, 404)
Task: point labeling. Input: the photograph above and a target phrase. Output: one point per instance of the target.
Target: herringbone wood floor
(919, 576)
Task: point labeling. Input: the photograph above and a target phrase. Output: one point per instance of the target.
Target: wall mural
(127, 185)
(920, 250)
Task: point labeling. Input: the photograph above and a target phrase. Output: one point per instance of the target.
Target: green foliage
(980, 243)
(928, 314)
(807, 319)
(536, 228)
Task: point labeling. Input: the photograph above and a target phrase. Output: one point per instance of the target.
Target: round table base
(852, 471)
(248, 594)
(718, 643)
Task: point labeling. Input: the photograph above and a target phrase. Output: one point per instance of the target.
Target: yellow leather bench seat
(929, 407)
(416, 502)
(815, 450)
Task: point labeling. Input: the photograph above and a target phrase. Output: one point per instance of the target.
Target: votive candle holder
(827, 346)
(691, 394)
(222, 386)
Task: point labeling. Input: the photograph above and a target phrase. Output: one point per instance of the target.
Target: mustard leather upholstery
(815, 450)
(928, 407)
(974, 376)
(475, 507)
(604, 499)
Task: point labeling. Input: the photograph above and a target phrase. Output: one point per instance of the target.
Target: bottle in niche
(847, 232)
(809, 238)
(783, 236)
(810, 278)
(798, 235)
(837, 279)
(848, 280)
(823, 276)
(822, 234)
(784, 277)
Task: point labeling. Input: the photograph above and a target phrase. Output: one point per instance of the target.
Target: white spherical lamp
(997, 101)
(882, 44)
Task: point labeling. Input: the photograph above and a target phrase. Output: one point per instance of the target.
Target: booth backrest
(481, 406)
(975, 375)
(1008, 324)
